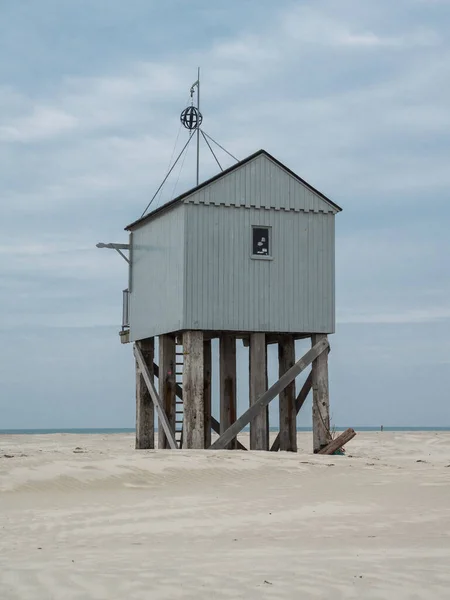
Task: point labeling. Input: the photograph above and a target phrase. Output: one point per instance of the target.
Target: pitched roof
(180, 198)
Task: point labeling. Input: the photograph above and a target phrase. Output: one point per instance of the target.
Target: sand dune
(86, 517)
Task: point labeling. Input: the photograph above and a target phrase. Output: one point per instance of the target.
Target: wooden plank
(145, 411)
(337, 443)
(321, 400)
(193, 398)
(303, 394)
(271, 393)
(207, 360)
(227, 376)
(166, 384)
(288, 414)
(259, 425)
(170, 435)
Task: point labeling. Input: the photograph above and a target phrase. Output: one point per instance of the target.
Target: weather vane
(192, 118)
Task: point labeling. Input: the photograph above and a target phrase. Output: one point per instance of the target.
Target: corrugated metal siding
(261, 183)
(225, 289)
(157, 271)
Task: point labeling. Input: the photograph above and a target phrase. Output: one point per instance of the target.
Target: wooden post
(302, 395)
(207, 391)
(227, 358)
(288, 413)
(321, 400)
(193, 390)
(145, 411)
(259, 425)
(166, 384)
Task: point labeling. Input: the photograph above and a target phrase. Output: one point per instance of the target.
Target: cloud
(424, 315)
(370, 39)
(44, 123)
(354, 97)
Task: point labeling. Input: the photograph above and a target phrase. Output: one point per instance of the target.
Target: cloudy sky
(353, 95)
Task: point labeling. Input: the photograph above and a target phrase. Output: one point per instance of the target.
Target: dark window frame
(269, 255)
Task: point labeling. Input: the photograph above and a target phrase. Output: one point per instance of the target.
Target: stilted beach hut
(247, 255)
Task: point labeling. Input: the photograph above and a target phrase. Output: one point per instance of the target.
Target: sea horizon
(119, 430)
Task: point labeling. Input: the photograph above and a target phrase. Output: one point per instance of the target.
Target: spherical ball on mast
(191, 118)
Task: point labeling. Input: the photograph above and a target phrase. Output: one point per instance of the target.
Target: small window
(261, 242)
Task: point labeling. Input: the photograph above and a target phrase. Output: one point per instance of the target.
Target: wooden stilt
(321, 400)
(207, 390)
(259, 425)
(145, 411)
(166, 384)
(302, 395)
(288, 413)
(227, 352)
(193, 390)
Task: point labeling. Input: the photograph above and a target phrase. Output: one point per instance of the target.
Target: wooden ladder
(179, 409)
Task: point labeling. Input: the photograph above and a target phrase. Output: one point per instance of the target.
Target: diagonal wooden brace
(271, 393)
(215, 426)
(298, 405)
(155, 398)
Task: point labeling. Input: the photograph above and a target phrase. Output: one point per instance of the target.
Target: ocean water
(112, 430)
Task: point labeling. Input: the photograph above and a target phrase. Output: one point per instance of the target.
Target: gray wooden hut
(248, 254)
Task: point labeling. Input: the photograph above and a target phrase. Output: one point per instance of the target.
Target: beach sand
(88, 517)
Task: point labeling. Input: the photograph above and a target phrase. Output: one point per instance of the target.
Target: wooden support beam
(207, 390)
(193, 391)
(227, 376)
(155, 398)
(145, 412)
(271, 393)
(259, 426)
(321, 399)
(337, 443)
(166, 384)
(303, 394)
(288, 414)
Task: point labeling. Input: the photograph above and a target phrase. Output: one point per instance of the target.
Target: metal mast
(198, 127)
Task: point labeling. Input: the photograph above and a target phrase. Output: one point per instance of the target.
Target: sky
(351, 95)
